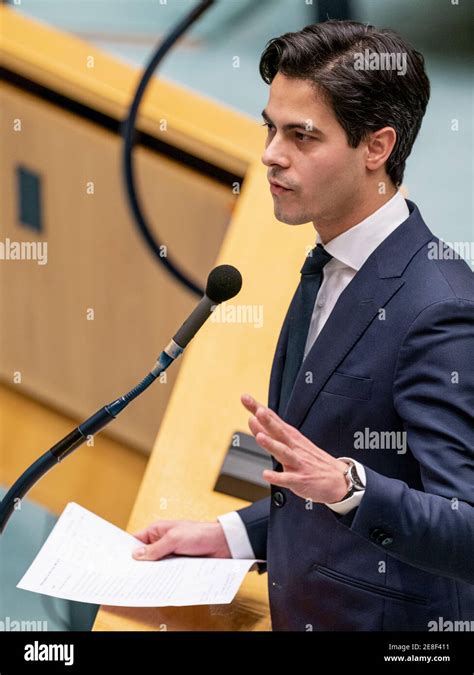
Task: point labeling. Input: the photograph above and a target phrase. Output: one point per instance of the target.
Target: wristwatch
(354, 482)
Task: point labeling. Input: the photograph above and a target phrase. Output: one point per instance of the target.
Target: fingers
(280, 478)
(263, 439)
(250, 403)
(154, 531)
(265, 419)
(279, 450)
(255, 426)
(156, 550)
(142, 535)
(273, 425)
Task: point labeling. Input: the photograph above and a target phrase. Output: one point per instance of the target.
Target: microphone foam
(223, 282)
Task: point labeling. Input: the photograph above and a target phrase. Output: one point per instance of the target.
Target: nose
(275, 154)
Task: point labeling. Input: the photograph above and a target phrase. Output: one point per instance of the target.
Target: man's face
(325, 175)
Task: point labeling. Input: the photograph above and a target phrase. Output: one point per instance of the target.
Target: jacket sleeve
(255, 518)
(433, 394)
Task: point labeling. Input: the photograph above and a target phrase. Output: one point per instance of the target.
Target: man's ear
(380, 144)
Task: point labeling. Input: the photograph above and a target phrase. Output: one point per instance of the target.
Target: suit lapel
(358, 305)
(278, 364)
(355, 309)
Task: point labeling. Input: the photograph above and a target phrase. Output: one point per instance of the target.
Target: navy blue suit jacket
(395, 355)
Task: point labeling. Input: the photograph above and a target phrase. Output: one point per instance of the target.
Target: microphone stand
(80, 434)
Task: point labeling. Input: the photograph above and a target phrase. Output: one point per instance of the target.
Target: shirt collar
(354, 246)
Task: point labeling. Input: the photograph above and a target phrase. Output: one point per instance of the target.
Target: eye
(268, 125)
(303, 137)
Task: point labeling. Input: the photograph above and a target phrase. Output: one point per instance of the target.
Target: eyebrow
(292, 125)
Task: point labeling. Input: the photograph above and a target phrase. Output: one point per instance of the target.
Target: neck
(336, 225)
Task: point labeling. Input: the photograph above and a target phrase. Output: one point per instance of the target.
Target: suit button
(279, 498)
(381, 537)
(373, 534)
(386, 541)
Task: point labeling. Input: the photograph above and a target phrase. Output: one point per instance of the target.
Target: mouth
(277, 189)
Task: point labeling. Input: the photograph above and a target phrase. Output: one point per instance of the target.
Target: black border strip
(115, 126)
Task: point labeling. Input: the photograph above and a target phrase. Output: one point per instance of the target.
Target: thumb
(155, 551)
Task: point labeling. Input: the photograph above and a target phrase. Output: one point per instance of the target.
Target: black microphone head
(223, 282)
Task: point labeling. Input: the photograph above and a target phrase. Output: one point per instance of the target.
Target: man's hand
(308, 471)
(182, 537)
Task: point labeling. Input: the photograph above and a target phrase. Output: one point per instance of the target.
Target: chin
(289, 219)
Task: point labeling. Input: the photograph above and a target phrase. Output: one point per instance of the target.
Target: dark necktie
(300, 319)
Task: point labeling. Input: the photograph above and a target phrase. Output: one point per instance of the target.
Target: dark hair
(363, 100)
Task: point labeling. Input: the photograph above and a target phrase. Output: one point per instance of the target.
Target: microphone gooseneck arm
(81, 434)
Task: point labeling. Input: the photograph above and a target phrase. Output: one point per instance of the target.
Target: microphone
(223, 283)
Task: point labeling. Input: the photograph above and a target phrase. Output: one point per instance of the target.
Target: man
(370, 522)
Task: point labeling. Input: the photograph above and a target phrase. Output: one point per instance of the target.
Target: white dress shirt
(350, 250)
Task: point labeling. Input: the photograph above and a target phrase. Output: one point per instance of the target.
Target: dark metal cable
(128, 134)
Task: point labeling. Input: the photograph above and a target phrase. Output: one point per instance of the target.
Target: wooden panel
(83, 72)
(97, 260)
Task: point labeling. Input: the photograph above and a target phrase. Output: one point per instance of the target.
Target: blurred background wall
(441, 162)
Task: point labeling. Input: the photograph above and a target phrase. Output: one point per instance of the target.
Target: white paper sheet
(87, 559)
